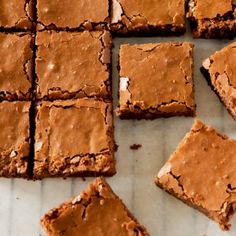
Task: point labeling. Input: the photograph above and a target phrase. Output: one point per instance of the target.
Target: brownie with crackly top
(14, 139)
(153, 17)
(220, 72)
(79, 14)
(212, 18)
(73, 65)
(156, 80)
(201, 173)
(74, 138)
(16, 66)
(96, 211)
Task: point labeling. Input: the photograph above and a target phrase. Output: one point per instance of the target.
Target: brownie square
(78, 14)
(74, 138)
(220, 72)
(201, 173)
(16, 67)
(156, 81)
(96, 211)
(212, 19)
(70, 65)
(16, 14)
(14, 139)
(155, 17)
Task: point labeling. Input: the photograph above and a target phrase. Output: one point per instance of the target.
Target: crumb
(83, 179)
(135, 146)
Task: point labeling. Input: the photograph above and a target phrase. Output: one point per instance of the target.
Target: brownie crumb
(135, 146)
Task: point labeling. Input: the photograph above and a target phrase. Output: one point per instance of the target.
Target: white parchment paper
(22, 202)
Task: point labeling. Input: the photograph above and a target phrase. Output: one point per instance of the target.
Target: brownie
(16, 14)
(220, 72)
(74, 138)
(156, 80)
(77, 64)
(155, 17)
(202, 173)
(14, 139)
(78, 14)
(212, 19)
(16, 66)
(96, 211)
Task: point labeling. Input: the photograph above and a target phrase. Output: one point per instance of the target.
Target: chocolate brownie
(74, 138)
(220, 72)
(16, 14)
(202, 173)
(155, 17)
(212, 18)
(14, 139)
(77, 64)
(78, 14)
(156, 80)
(96, 211)
(16, 66)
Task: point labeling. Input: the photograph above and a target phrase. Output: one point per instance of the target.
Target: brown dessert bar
(201, 173)
(96, 211)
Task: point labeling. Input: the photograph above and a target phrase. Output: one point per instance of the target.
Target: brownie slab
(156, 80)
(79, 14)
(155, 17)
(16, 14)
(96, 211)
(74, 138)
(77, 64)
(201, 173)
(16, 67)
(212, 19)
(220, 72)
(14, 139)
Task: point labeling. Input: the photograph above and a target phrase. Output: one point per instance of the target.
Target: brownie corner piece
(88, 148)
(79, 15)
(86, 214)
(15, 139)
(159, 18)
(219, 71)
(212, 19)
(201, 173)
(16, 71)
(156, 80)
(78, 64)
(20, 17)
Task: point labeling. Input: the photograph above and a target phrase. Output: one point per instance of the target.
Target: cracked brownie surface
(96, 211)
(73, 64)
(154, 16)
(156, 80)
(16, 71)
(201, 172)
(212, 18)
(78, 14)
(220, 72)
(14, 139)
(17, 14)
(74, 138)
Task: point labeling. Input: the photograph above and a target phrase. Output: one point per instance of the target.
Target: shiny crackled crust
(144, 92)
(88, 212)
(219, 71)
(78, 65)
(201, 173)
(130, 18)
(78, 15)
(16, 72)
(212, 19)
(14, 139)
(87, 124)
(18, 18)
